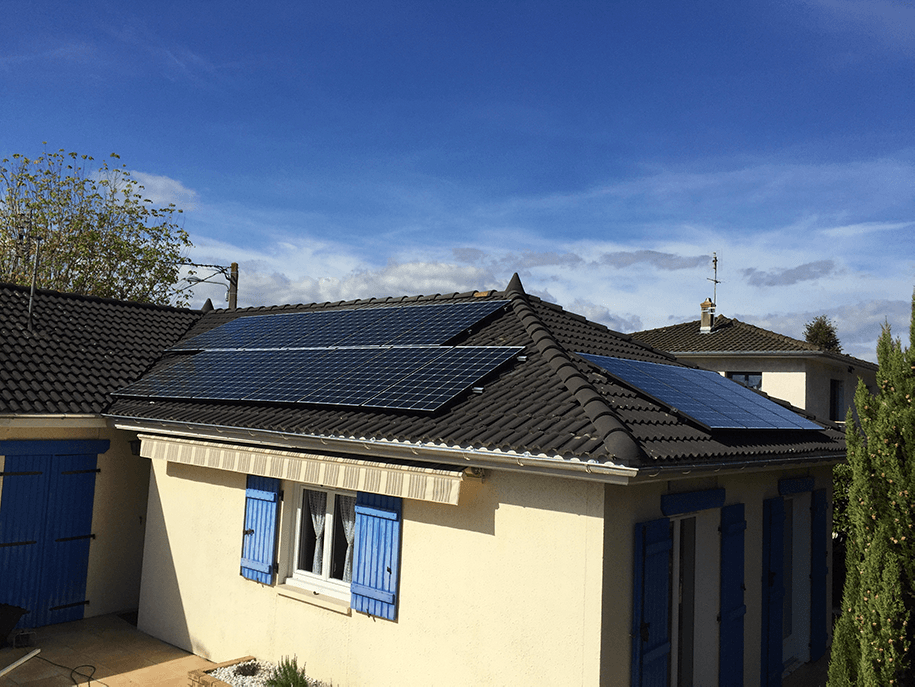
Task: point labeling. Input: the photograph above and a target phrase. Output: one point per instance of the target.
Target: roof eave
(552, 465)
(756, 464)
(845, 360)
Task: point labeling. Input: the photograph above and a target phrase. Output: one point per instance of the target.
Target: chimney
(708, 317)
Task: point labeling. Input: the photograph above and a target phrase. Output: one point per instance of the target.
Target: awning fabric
(333, 472)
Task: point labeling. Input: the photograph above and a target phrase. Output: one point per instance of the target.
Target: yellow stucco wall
(625, 506)
(119, 510)
(527, 580)
(503, 589)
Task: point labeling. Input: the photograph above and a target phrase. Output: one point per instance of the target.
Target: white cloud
(163, 190)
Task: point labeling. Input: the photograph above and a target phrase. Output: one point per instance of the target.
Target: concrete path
(121, 656)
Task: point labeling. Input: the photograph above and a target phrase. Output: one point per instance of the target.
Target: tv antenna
(714, 279)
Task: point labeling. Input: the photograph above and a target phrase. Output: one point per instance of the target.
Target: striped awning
(439, 485)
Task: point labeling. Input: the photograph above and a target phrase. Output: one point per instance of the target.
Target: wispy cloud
(163, 190)
(890, 22)
(810, 271)
(75, 52)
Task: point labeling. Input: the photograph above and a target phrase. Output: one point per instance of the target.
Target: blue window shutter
(733, 608)
(650, 603)
(773, 590)
(258, 552)
(376, 558)
(819, 539)
(691, 501)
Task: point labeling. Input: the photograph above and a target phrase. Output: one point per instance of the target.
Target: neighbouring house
(72, 493)
(795, 371)
(476, 488)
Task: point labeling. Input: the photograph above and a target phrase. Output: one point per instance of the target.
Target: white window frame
(316, 583)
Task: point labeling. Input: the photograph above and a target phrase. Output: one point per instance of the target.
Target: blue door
(46, 499)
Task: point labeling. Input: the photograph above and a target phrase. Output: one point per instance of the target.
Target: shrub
(288, 674)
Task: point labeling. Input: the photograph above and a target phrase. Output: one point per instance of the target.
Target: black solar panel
(428, 324)
(412, 378)
(431, 386)
(705, 396)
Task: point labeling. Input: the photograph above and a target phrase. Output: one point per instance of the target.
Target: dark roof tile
(729, 335)
(80, 348)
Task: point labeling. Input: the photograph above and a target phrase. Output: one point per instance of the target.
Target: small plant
(248, 669)
(288, 674)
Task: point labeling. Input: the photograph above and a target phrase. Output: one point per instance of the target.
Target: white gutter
(554, 465)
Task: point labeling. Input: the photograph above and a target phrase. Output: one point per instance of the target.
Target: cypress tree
(873, 643)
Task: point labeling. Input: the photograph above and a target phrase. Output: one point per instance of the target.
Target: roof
(731, 336)
(79, 349)
(548, 402)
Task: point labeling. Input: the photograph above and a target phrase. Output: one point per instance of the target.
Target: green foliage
(95, 232)
(288, 674)
(821, 332)
(874, 635)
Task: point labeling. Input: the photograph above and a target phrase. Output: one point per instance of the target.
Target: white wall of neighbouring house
(119, 507)
(504, 588)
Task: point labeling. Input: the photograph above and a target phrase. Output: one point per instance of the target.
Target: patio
(121, 655)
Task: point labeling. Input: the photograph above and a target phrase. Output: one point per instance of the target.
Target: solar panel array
(406, 325)
(703, 395)
(371, 357)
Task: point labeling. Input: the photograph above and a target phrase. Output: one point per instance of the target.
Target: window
(325, 528)
(752, 380)
(342, 544)
(836, 400)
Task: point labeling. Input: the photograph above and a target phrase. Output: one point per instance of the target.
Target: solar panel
(409, 378)
(427, 324)
(703, 395)
(431, 386)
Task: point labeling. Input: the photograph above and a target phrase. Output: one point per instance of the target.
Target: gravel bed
(230, 676)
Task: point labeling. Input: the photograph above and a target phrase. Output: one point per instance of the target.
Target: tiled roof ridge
(93, 299)
(615, 437)
(360, 302)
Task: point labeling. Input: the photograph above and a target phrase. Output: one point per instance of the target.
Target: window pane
(338, 553)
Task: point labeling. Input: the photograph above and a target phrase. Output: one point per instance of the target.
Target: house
(476, 488)
(72, 494)
(800, 373)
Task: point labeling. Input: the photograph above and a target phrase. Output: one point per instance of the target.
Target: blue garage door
(46, 499)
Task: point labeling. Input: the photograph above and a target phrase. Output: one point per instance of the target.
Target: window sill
(314, 598)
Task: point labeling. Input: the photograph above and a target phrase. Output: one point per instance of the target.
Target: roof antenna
(715, 280)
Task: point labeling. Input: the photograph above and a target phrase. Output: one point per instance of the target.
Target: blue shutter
(650, 603)
(22, 522)
(376, 559)
(819, 546)
(733, 609)
(773, 590)
(258, 552)
(68, 533)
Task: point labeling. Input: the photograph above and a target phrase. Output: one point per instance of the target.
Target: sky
(604, 151)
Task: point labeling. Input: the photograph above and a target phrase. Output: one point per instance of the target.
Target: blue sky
(602, 150)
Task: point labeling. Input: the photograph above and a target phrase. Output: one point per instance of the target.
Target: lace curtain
(317, 506)
(348, 517)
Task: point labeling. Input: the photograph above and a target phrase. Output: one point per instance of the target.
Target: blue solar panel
(703, 395)
(427, 324)
(431, 386)
(410, 378)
